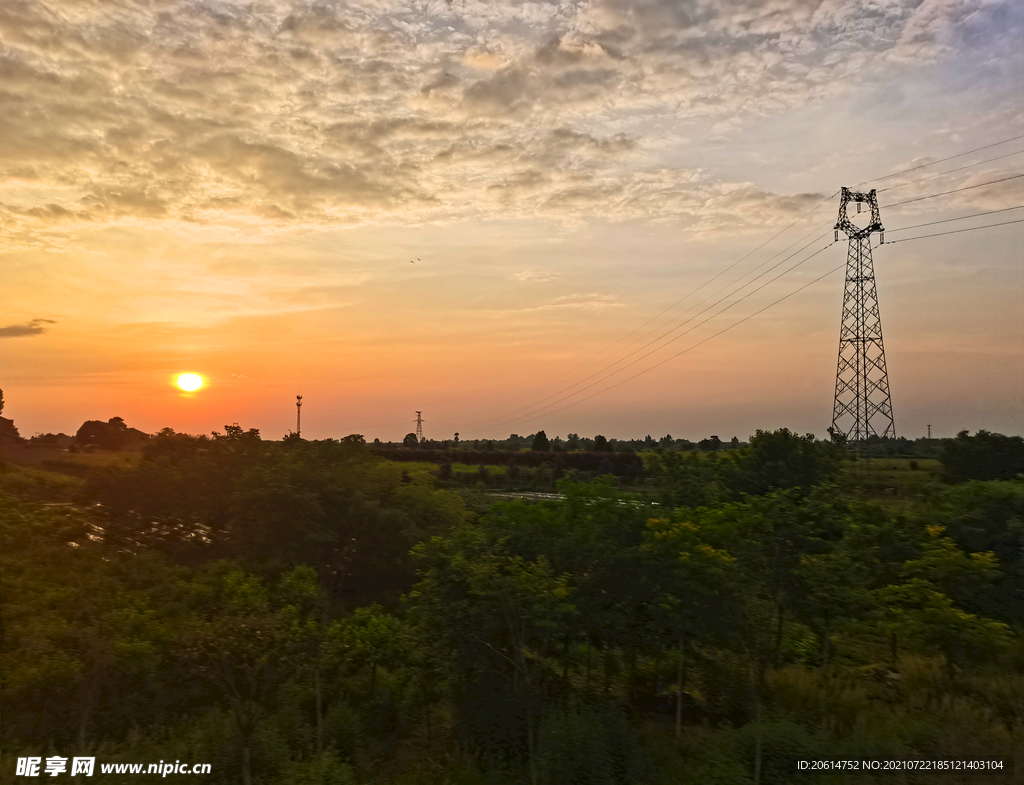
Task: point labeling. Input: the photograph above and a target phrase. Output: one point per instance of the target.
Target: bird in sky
(411, 262)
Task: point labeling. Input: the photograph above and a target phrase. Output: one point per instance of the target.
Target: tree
(711, 444)
(236, 433)
(777, 460)
(984, 456)
(491, 617)
(601, 444)
(832, 587)
(696, 587)
(572, 442)
(540, 442)
(410, 440)
(989, 516)
(110, 435)
(921, 610)
(247, 651)
(688, 480)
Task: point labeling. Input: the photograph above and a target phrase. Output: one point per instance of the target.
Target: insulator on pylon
(837, 235)
(858, 206)
(881, 238)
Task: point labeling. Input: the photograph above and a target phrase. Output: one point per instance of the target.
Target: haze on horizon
(237, 190)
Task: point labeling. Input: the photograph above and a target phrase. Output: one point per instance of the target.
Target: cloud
(536, 276)
(34, 327)
(321, 115)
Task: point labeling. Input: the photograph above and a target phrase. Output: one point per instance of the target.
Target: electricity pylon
(419, 426)
(862, 407)
(298, 416)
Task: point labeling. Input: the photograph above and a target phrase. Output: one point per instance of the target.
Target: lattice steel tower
(419, 426)
(862, 405)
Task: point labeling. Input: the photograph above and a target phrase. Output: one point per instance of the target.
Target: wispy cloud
(534, 276)
(34, 327)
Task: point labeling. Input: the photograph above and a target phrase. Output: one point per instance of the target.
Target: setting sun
(190, 382)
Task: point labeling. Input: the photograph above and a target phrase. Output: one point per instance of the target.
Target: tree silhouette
(540, 442)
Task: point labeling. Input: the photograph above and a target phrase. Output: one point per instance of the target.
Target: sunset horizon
(449, 207)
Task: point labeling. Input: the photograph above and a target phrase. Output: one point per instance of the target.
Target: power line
(663, 312)
(921, 166)
(950, 171)
(700, 343)
(942, 160)
(762, 245)
(663, 335)
(961, 218)
(955, 190)
(957, 231)
(731, 305)
(709, 281)
(677, 326)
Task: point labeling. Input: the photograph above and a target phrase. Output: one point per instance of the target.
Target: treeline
(572, 443)
(621, 464)
(309, 612)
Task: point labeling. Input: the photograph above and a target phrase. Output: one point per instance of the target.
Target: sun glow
(190, 382)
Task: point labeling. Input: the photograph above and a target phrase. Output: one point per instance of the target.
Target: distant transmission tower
(419, 426)
(298, 415)
(862, 405)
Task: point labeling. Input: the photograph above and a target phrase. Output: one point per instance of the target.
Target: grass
(53, 474)
(29, 482)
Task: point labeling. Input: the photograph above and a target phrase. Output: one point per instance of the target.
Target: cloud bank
(275, 113)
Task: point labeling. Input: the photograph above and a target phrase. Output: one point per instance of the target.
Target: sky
(466, 208)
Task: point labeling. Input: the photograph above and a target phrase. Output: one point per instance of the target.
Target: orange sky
(237, 191)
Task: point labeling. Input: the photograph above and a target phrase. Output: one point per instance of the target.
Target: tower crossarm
(848, 227)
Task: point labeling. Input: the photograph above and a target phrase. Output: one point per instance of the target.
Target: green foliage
(327, 504)
(537, 643)
(984, 456)
(777, 460)
(324, 769)
(989, 516)
(688, 479)
(589, 745)
(920, 610)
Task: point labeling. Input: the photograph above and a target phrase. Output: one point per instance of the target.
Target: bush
(588, 745)
(325, 769)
